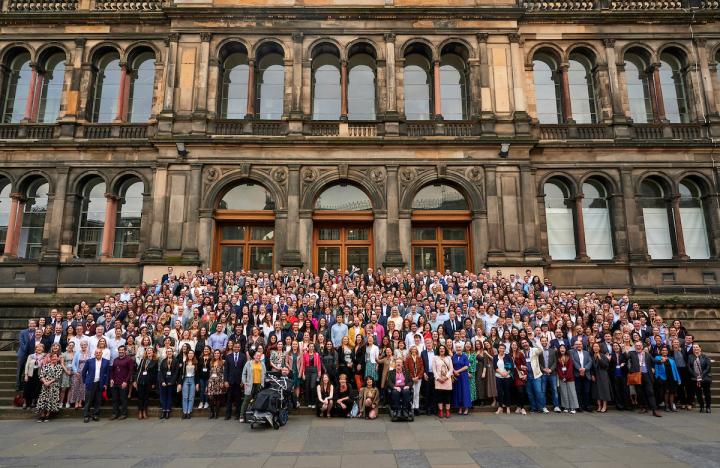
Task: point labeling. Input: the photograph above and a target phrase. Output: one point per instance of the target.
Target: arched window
(343, 197)
(33, 221)
(674, 91)
(453, 83)
(52, 87)
(596, 219)
(548, 90)
(326, 83)
(5, 203)
(656, 219)
(234, 84)
(17, 80)
(142, 86)
(417, 84)
(92, 219)
(108, 76)
(440, 236)
(129, 217)
(361, 85)
(692, 217)
(241, 243)
(559, 216)
(270, 82)
(582, 85)
(637, 84)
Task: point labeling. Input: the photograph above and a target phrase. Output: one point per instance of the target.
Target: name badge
(168, 373)
(564, 369)
(204, 369)
(144, 372)
(214, 376)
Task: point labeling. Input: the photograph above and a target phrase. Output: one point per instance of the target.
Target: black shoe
(124, 416)
(656, 414)
(189, 416)
(95, 418)
(114, 417)
(702, 409)
(167, 414)
(707, 410)
(86, 420)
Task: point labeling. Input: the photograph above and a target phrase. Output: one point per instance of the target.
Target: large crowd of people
(351, 343)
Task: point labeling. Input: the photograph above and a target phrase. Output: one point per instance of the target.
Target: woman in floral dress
(77, 386)
(216, 384)
(49, 400)
(472, 369)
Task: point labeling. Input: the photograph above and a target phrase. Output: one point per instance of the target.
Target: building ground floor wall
(585, 218)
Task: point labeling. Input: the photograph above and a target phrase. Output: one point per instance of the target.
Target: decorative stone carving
(244, 169)
(407, 175)
(309, 175)
(377, 175)
(279, 175)
(212, 174)
(343, 170)
(205, 36)
(474, 174)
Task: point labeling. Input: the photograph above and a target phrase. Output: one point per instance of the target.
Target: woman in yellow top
(253, 376)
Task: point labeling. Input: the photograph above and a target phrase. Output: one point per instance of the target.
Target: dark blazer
(448, 326)
(233, 371)
(556, 342)
(151, 367)
(587, 363)
(26, 336)
(88, 373)
(201, 374)
(605, 348)
(172, 366)
(633, 363)
(552, 360)
(426, 364)
(704, 368)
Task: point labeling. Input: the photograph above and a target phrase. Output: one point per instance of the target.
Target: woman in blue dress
(461, 388)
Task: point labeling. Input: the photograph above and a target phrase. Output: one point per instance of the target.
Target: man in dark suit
(548, 364)
(26, 337)
(234, 363)
(582, 371)
(95, 375)
(452, 325)
(428, 382)
(639, 360)
(167, 275)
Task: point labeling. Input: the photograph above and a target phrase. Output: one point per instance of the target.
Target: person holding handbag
(443, 370)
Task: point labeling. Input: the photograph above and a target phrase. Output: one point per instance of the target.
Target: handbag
(634, 378)
(19, 400)
(354, 411)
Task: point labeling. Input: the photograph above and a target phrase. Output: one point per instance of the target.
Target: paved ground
(607, 441)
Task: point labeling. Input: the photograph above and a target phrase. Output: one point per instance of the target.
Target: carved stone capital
(205, 36)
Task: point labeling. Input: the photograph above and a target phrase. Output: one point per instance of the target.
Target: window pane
(598, 236)
(17, 88)
(424, 234)
(52, 86)
(361, 92)
(92, 220)
(358, 257)
(329, 234)
(439, 197)
(141, 89)
(452, 88)
(129, 217)
(343, 198)
(329, 258)
(695, 233)
(234, 232)
(271, 86)
(424, 258)
(5, 203)
(416, 87)
(456, 234)
(547, 93)
(455, 258)
(326, 89)
(672, 82)
(638, 90)
(261, 258)
(657, 233)
(265, 233)
(107, 87)
(357, 234)
(582, 94)
(231, 258)
(233, 98)
(247, 197)
(33, 222)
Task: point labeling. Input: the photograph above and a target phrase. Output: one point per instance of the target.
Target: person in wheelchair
(401, 392)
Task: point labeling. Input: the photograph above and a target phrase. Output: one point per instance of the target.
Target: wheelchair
(401, 405)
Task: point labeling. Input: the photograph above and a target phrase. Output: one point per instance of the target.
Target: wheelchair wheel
(283, 417)
(276, 423)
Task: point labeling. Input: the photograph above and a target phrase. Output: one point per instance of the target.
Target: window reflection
(361, 87)
(129, 218)
(247, 196)
(439, 197)
(692, 217)
(326, 86)
(52, 87)
(17, 87)
(547, 89)
(33, 221)
(559, 220)
(234, 88)
(92, 220)
(417, 83)
(453, 87)
(343, 197)
(656, 219)
(270, 86)
(107, 88)
(582, 85)
(142, 79)
(672, 82)
(637, 84)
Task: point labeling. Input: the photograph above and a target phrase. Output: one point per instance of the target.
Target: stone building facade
(579, 138)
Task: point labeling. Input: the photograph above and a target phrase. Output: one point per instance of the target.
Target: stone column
(580, 226)
(474, 98)
(390, 78)
(145, 220)
(478, 227)
(160, 180)
(706, 77)
(493, 213)
(637, 248)
(711, 202)
(190, 227)
(70, 106)
(615, 91)
(393, 255)
(437, 98)
(619, 228)
(654, 72)
(566, 98)
(679, 234)
(108, 236)
(297, 72)
(520, 115)
(292, 257)
(205, 240)
(17, 205)
(31, 93)
(251, 90)
(55, 215)
(487, 116)
(529, 214)
(122, 93)
(201, 105)
(343, 90)
(170, 71)
(213, 85)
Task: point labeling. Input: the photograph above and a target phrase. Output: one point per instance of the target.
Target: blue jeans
(534, 394)
(166, 396)
(203, 387)
(188, 394)
(552, 381)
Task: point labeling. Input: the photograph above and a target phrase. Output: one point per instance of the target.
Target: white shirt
(581, 358)
(98, 365)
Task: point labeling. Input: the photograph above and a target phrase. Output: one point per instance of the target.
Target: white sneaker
(556, 409)
(200, 405)
(564, 411)
(522, 411)
(545, 411)
(517, 410)
(572, 411)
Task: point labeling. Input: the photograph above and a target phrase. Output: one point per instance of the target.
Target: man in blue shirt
(338, 331)
(219, 339)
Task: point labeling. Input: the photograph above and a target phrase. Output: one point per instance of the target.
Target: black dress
(338, 410)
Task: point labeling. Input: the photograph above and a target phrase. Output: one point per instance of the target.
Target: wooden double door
(340, 246)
